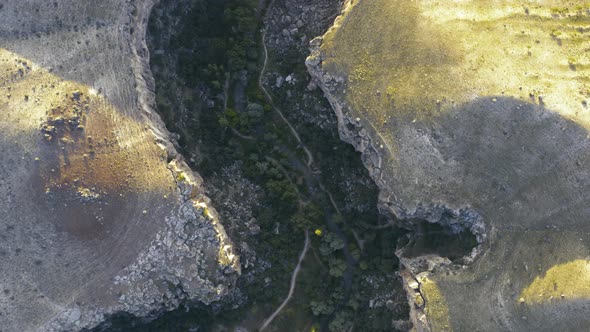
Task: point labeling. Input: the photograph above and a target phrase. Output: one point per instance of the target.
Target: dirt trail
(310, 177)
(270, 100)
(292, 287)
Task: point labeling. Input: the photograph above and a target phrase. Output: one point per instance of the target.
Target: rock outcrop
(98, 213)
(474, 115)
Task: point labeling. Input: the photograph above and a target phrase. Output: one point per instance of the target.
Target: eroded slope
(474, 113)
(98, 213)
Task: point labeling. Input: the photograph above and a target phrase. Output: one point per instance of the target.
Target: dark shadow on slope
(524, 169)
(430, 239)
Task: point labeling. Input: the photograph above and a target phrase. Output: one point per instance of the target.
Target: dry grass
(107, 150)
(567, 281)
(416, 58)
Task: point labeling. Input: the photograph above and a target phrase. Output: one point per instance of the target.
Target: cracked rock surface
(474, 115)
(98, 213)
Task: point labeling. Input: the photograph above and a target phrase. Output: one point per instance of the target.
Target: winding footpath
(270, 100)
(292, 287)
(293, 131)
(309, 174)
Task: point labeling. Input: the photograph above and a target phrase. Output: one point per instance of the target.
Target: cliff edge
(474, 116)
(98, 214)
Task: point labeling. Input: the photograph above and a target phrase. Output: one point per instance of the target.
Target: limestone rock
(473, 114)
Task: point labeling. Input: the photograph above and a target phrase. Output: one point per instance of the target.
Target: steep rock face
(98, 212)
(473, 115)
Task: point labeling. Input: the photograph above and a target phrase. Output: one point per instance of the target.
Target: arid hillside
(98, 212)
(473, 115)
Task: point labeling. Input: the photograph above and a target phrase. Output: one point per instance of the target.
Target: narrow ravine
(306, 186)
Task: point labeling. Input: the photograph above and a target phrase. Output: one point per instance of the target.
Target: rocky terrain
(474, 116)
(99, 214)
(469, 204)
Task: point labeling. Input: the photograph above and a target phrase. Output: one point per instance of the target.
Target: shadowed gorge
(272, 160)
(430, 238)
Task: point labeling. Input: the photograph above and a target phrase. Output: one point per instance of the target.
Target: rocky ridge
(118, 221)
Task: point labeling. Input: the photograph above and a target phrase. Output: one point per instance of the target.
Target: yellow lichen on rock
(567, 281)
(436, 306)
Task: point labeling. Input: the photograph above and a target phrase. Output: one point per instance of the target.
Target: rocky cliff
(98, 212)
(474, 116)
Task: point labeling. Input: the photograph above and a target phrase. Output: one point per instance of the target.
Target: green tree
(321, 307)
(337, 267)
(342, 321)
(308, 217)
(330, 243)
